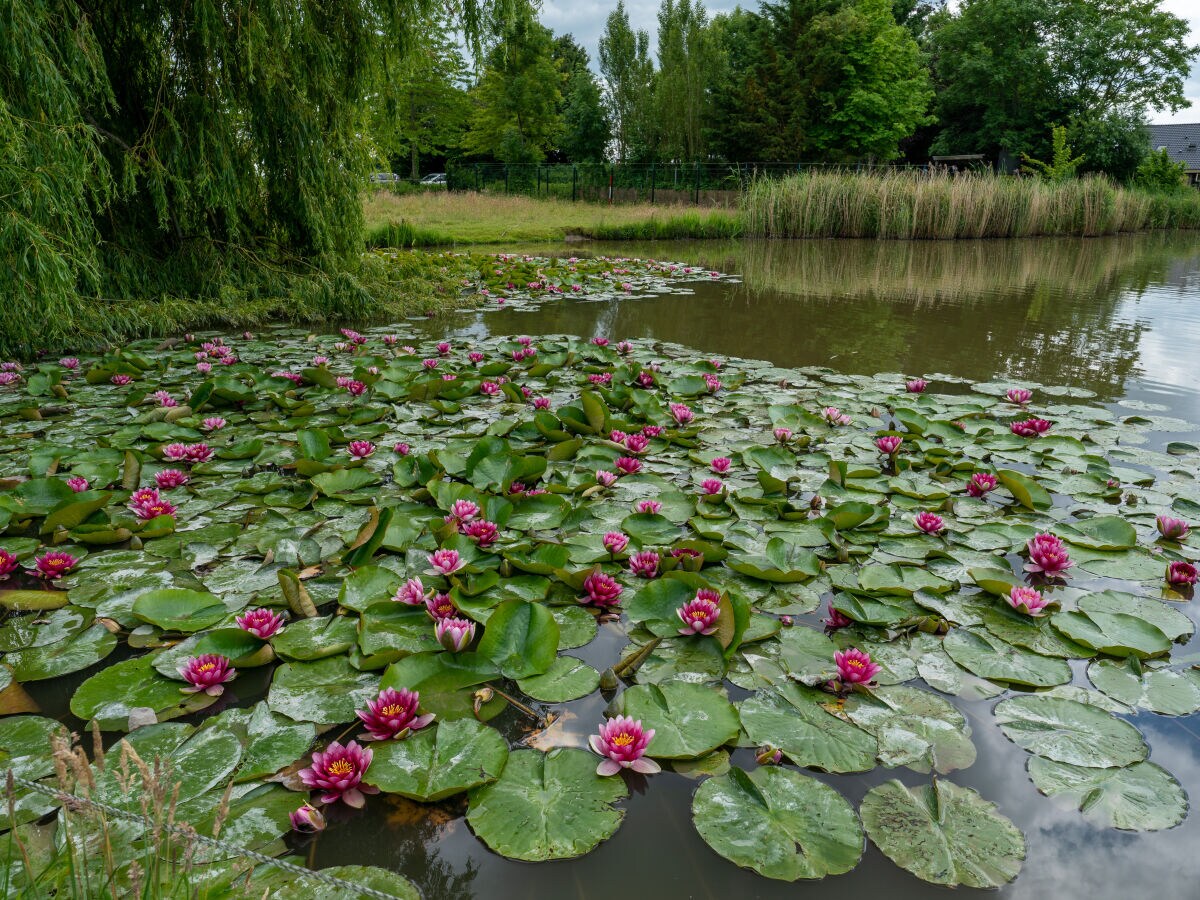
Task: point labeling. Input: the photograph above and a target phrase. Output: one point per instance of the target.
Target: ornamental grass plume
(622, 742)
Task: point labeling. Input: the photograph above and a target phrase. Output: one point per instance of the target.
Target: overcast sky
(585, 19)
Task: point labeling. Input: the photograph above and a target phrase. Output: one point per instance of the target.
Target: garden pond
(973, 462)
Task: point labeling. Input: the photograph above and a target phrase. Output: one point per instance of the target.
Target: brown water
(1119, 316)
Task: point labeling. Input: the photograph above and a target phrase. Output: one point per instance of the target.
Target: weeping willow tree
(160, 156)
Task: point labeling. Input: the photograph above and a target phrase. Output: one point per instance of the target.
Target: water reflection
(1110, 315)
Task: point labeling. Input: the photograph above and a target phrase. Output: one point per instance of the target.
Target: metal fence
(710, 184)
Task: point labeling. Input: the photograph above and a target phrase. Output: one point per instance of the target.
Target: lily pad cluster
(709, 511)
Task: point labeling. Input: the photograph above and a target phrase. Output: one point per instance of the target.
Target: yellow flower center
(206, 667)
(341, 767)
(699, 614)
(624, 739)
(394, 710)
(857, 663)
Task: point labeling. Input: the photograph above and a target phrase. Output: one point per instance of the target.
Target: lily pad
(567, 678)
(440, 761)
(1139, 797)
(1070, 732)
(176, 609)
(795, 720)
(326, 691)
(689, 720)
(984, 654)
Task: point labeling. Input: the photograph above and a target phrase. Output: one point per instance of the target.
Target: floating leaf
(794, 720)
(1070, 732)
(176, 609)
(984, 654)
(1139, 797)
(689, 720)
(326, 691)
(567, 679)
(440, 761)
(521, 638)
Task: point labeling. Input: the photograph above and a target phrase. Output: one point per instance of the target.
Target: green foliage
(1161, 173)
(586, 130)
(1062, 164)
(628, 76)
(686, 56)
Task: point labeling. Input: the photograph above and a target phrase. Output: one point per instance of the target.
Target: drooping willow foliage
(190, 150)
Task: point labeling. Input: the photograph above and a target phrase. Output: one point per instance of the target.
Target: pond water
(1120, 317)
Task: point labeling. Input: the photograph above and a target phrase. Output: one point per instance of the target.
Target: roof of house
(1181, 141)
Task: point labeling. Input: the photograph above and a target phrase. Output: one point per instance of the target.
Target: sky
(585, 19)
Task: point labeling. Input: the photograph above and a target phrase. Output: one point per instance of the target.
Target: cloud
(1190, 10)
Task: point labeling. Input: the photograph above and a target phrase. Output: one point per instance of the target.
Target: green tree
(628, 75)
(422, 106)
(1158, 172)
(686, 61)
(517, 98)
(586, 130)
(1063, 162)
(196, 149)
(743, 121)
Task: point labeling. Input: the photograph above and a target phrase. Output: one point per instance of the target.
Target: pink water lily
(854, 666)
(170, 478)
(440, 606)
(393, 714)
(1019, 396)
(8, 564)
(617, 436)
(981, 483)
(835, 620)
(198, 453)
(489, 388)
(338, 774)
(1030, 428)
(443, 348)
(120, 380)
(644, 564)
(475, 357)
(1181, 574)
(615, 542)
(701, 614)
(307, 819)
(1047, 555)
(462, 511)
(262, 623)
(627, 465)
(653, 431)
(401, 449)
(623, 347)
(712, 382)
(482, 532)
(653, 507)
(681, 413)
(176, 452)
(622, 742)
(78, 484)
(601, 590)
(930, 523)
(720, 465)
(69, 362)
(356, 388)
(636, 443)
(1172, 529)
(55, 564)
(605, 478)
(1027, 600)
(208, 673)
(454, 634)
(445, 562)
(783, 435)
(149, 505)
(916, 385)
(889, 444)
(412, 593)
(834, 416)
(360, 449)
(541, 402)
(600, 341)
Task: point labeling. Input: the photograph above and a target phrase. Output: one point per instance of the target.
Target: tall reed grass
(916, 206)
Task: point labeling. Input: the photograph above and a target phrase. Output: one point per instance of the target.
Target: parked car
(434, 178)
(384, 177)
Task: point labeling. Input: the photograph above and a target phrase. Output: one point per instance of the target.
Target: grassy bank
(915, 207)
(424, 220)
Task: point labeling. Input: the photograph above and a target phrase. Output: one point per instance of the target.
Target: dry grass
(470, 218)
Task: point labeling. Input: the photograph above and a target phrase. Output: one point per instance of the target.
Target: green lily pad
(914, 728)
(112, 694)
(987, 656)
(440, 761)
(1139, 797)
(795, 720)
(779, 823)
(1171, 692)
(176, 609)
(325, 691)
(520, 638)
(689, 720)
(1070, 732)
(567, 678)
(72, 654)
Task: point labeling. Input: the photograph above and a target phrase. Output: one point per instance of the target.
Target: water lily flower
(120, 380)
(644, 564)
(318, 361)
(262, 622)
(1030, 428)
(1172, 529)
(783, 435)
(606, 478)
(356, 388)
(69, 362)
(889, 444)
(430, 363)
(150, 505)
(834, 416)
(482, 532)
(454, 634)
(1181, 574)
(854, 666)
(462, 511)
(712, 486)
(720, 465)
(78, 484)
(440, 606)
(601, 590)
(712, 382)
(541, 402)
(170, 478)
(601, 378)
(600, 341)
(165, 399)
(55, 564)
(338, 774)
(401, 449)
(1019, 396)
(930, 523)
(645, 379)
(143, 495)
(636, 443)
(700, 615)
(1047, 555)
(8, 564)
(443, 348)
(981, 483)
(412, 593)
(681, 413)
(916, 385)
(444, 562)
(615, 542)
(1027, 600)
(175, 452)
(342, 381)
(623, 347)
(627, 465)
(360, 449)
(622, 742)
(391, 340)
(768, 756)
(307, 819)
(653, 507)
(7, 378)
(489, 388)
(617, 436)
(213, 423)
(835, 619)
(653, 431)
(208, 673)
(393, 714)
(203, 367)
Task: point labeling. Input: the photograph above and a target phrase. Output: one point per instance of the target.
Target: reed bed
(916, 206)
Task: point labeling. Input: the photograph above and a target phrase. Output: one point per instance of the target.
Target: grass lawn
(467, 218)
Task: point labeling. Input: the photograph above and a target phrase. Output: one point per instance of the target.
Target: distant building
(1182, 142)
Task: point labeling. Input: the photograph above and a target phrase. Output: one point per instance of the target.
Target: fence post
(477, 178)
(574, 183)
(697, 201)
(610, 184)
(652, 182)
(506, 180)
